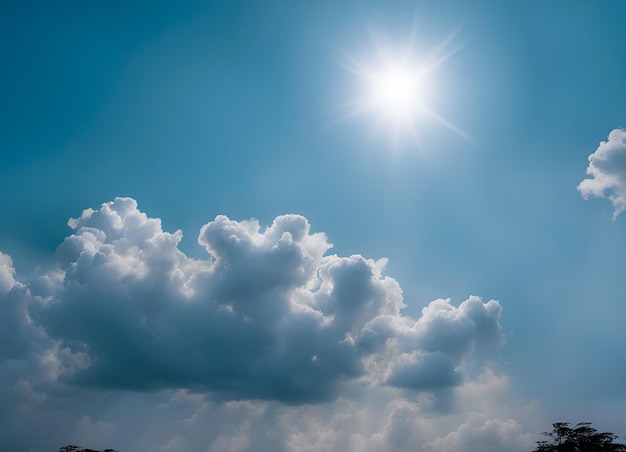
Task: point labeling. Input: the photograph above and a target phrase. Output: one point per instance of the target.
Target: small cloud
(607, 168)
(7, 273)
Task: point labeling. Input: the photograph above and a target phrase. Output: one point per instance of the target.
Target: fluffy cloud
(484, 434)
(268, 321)
(6, 273)
(607, 168)
(268, 316)
(380, 424)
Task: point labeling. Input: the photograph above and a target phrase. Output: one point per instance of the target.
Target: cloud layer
(607, 168)
(268, 318)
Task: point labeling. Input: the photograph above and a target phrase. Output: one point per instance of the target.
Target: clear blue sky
(196, 109)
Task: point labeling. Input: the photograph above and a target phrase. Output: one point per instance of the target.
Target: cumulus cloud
(269, 319)
(484, 434)
(269, 315)
(607, 168)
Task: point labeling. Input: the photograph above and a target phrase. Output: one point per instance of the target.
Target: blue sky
(198, 109)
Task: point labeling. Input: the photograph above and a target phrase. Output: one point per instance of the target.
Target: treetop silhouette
(75, 448)
(582, 438)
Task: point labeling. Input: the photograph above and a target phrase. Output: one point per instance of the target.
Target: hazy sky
(311, 226)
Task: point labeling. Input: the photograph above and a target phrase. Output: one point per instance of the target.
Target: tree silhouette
(582, 438)
(75, 448)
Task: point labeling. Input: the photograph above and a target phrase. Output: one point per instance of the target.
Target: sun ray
(448, 125)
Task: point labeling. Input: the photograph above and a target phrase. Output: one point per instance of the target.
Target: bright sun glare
(395, 91)
(395, 86)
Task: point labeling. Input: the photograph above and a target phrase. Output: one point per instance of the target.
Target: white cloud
(269, 329)
(268, 316)
(607, 168)
(384, 424)
(484, 434)
(6, 273)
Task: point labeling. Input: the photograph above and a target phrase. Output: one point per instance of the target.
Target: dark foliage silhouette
(582, 438)
(74, 448)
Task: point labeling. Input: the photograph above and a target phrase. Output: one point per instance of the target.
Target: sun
(396, 86)
(395, 91)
